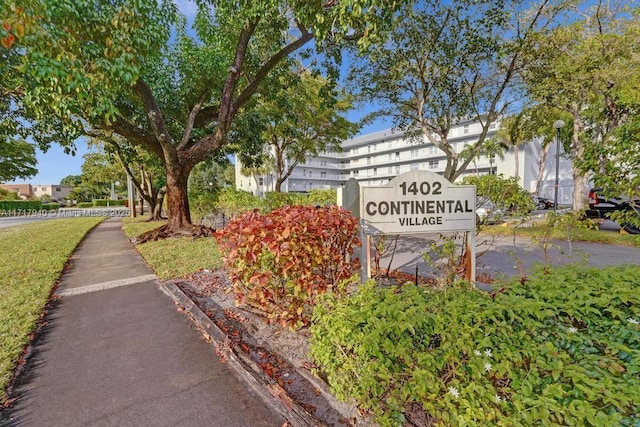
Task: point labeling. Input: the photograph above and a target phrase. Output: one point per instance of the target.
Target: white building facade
(376, 158)
(55, 192)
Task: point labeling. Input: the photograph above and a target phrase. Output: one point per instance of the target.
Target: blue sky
(55, 164)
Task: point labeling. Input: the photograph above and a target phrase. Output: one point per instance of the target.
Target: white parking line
(105, 285)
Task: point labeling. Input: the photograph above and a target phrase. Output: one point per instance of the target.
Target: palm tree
(467, 152)
(493, 147)
(512, 135)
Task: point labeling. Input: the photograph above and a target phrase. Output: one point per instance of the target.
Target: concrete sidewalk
(115, 351)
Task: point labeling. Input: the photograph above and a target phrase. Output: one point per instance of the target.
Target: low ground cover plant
(281, 261)
(31, 260)
(561, 349)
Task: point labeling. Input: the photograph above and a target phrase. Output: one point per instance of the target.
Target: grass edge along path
(176, 256)
(32, 258)
(542, 231)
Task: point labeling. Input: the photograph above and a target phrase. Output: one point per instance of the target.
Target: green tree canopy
(99, 66)
(589, 70)
(302, 119)
(449, 62)
(74, 180)
(17, 157)
(17, 160)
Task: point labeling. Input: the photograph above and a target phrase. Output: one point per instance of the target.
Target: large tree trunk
(541, 164)
(580, 181)
(580, 191)
(156, 210)
(178, 213)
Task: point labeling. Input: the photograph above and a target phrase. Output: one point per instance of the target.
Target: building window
(368, 160)
(260, 181)
(414, 166)
(390, 156)
(323, 174)
(433, 164)
(465, 130)
(390, 144)
(390, 170)
(354, 151)
(397, 155)
(375, 171)
(398, 170)
(368, 148)
(415, 152)
(355, 161)
(356, 173)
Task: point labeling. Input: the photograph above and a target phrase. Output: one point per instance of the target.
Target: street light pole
(557, 125)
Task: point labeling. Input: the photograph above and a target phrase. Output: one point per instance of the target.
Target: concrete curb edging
(267, 388)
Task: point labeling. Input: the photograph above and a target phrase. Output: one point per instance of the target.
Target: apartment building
(24, 191)
(55, 192)
(29, 191)
(376, 158)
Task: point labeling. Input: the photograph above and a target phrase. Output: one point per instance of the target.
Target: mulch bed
(280, 354)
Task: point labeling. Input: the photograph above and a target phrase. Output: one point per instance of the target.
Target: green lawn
(176, 257)
(31, 260)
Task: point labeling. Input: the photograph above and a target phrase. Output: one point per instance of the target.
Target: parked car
(602, 207)
(543, 202)
(488, 213)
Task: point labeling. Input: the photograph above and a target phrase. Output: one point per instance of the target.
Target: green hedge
(233, 202)
(562, 349)
(84, 205)
(50, 206)
(20, 205)
(105, 202)
(273, 200)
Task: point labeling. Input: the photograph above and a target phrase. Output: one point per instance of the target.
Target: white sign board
(418, 202)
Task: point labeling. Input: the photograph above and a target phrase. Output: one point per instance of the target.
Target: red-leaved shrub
(281, 261)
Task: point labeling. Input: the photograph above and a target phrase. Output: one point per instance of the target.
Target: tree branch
(154, 115)
(132, 133)
(191, 120)
(246, 94)
(227, 105)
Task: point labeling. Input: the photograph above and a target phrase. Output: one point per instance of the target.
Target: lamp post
(557, 125)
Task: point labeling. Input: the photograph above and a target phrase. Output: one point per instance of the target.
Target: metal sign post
(131, 197)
